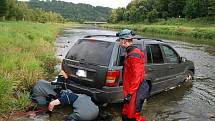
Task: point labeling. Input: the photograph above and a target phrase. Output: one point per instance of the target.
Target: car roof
(108, 38)
(114, 38)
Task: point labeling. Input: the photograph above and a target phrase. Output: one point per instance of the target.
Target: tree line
(152, 10)
(14, 10)
(74, 12)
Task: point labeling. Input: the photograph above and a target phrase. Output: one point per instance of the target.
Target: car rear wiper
(72, 57)
(82, 61)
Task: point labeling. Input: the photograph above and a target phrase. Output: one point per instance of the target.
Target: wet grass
(26, 55)
(196, 32)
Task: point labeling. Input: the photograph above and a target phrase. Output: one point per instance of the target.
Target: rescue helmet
(125, 34)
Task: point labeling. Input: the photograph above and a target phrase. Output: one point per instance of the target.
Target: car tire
(188, 79)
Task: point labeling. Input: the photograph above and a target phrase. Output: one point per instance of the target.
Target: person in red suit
(135, 88)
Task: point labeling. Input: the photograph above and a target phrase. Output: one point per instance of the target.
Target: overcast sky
(106, 3)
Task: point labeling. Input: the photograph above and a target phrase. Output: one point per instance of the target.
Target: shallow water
(194, 102)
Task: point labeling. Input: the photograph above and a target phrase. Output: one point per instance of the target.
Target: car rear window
(91, 51)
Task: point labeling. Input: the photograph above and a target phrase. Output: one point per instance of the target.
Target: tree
(175, 8)
(12, 9)
(113, 16)
(211, 8)
(120, 14)
(152, 16)
(23, 12)
(133, 14)
(162, 7)
(196, 8)
(75, 12)
(3, 8)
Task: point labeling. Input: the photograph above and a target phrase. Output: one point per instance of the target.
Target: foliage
(5, 89)
(152, 10)
(196, 8)
(3, 8)
(12, 10)
(211, 8)
(197, 29)
(25, 52)
(71, 11)
(152, 15)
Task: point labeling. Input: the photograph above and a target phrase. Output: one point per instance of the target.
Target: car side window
(170, 54)
(149, 54)
(155, 52)
(121, 56)
(122, 53)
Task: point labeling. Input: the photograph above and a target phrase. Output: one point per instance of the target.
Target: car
(95, 66)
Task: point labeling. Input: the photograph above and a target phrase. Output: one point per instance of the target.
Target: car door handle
(170, 67)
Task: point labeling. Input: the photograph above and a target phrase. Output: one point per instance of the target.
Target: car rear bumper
(103, 95)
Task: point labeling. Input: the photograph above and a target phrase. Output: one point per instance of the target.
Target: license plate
(81, 73)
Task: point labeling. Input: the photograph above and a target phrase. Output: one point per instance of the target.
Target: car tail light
(112, 78)
(62, 68)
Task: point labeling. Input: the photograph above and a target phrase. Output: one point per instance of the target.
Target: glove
(127, 99)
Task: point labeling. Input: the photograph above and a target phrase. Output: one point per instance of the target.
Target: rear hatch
(88, 60)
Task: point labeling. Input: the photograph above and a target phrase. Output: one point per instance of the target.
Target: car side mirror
(182, 59)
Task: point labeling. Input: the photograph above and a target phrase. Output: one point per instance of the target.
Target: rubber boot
(125, 118)
(139, 117)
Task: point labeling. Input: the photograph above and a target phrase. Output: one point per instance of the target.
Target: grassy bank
(26, 55)
(198, 31)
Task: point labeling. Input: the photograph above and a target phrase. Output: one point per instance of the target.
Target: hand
(64, 74)
(127, 99)
(53, 103)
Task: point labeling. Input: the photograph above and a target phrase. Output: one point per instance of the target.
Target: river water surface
(184, 103)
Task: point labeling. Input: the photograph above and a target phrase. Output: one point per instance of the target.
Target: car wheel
(188, 78)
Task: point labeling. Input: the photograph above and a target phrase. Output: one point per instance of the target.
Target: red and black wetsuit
(134, 84)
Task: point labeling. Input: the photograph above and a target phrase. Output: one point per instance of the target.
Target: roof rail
(138, 38)
(158, 40)
(99, 36)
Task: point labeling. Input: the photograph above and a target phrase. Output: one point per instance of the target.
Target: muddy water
(194, 102)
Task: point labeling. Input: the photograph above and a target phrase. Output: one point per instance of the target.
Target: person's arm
(53, 103)
(64, 74)
(65, 98)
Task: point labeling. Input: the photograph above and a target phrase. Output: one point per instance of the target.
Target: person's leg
(41, 91)
(129, 109)
(72, 117)
(142, 94)
(125, 118)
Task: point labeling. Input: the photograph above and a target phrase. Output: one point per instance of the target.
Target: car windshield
(91, 52)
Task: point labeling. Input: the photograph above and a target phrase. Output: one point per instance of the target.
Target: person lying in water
(84, 108)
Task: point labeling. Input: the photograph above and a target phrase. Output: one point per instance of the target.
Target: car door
(175, 68)
(156, 69)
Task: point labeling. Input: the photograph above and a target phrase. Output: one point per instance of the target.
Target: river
(194, 102)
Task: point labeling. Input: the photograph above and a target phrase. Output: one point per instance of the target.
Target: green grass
(26, 55)
(199, 31)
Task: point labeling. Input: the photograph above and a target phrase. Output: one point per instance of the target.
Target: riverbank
(183, 30)
(26, 55)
